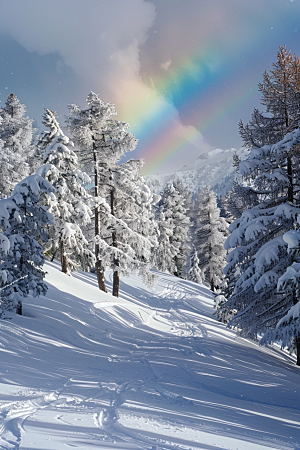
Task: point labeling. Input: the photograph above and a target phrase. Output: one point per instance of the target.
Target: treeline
(74, 198)
(263, 261)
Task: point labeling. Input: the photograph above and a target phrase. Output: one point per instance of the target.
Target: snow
(213, 168)
(152, 369)
(292, 238)
(293, 313)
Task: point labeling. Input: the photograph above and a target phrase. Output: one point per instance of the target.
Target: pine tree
(280, 91)
(173, 223)
(127, 235)
(23, 224)
(194, 273)
(209, 232)
(258, 254)
(237, 200)
(70, 207)
(287, 330)
(17, 149)
(103, 141)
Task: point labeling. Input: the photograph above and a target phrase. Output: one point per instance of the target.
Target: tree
(209, 232)
(17, 149)
(173, 224)
(128, 231)
(194, 273)
(23, 224)
(280, 91)
(70, 207)
(237, 200)
(258, 256)
(287, 330)
(103, 141)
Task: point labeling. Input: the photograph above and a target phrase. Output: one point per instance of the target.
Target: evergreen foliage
(209, 232)
(258, 255)
(280, 91)
(194, 273)
(287, 330)
(173, 224)
(23, 224)
(103, 141)
(17, 155)
(70, 208)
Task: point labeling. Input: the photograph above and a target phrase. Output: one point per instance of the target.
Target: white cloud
(85, 34)
(100, 41)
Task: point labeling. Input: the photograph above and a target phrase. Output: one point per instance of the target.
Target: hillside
(150, 370)
(213, 168)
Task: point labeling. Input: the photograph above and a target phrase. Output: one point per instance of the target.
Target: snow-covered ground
(150, 370)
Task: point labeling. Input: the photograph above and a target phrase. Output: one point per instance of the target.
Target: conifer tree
(128, 231)
(287, 330)
(280, 91)
(23, 223)
(17, 149)
(209, 232)
(70, 208)
(194, 273)
(258, 256)
(103, 141)
(173, 223)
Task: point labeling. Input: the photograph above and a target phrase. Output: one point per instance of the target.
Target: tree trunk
(63, 258)
(290, 177)
(298, 350)
(99, 268)
(19, 308)
(53, 256)
(100, 276)
(116, 278)
(116, 284)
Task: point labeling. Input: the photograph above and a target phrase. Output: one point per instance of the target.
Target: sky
(182, 73)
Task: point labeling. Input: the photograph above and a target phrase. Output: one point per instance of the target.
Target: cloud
(85, 34)
(101, 41)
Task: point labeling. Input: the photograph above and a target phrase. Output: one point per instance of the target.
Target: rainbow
(161, 134)
(195, 81)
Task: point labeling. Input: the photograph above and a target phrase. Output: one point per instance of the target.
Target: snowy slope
(150, 370)
(213, 168)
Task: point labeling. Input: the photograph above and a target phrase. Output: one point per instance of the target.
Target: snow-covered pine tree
(50, 121)
(280, 91)
(287, 330)
(128, 230)
(209, 232)
(173, 223)
(194, 273)
(103, 141)
(17, 149)
(237, 200)
(23, 223)
(258, 254)
(165, 252)
(70, 208)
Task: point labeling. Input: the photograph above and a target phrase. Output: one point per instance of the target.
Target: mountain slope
(213, 168)
(153, 368)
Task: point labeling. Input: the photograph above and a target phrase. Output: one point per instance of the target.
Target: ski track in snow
(151, 370)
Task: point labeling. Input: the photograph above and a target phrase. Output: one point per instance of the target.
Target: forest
(72, 193)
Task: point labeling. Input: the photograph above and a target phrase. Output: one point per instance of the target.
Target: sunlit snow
(152, 369)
